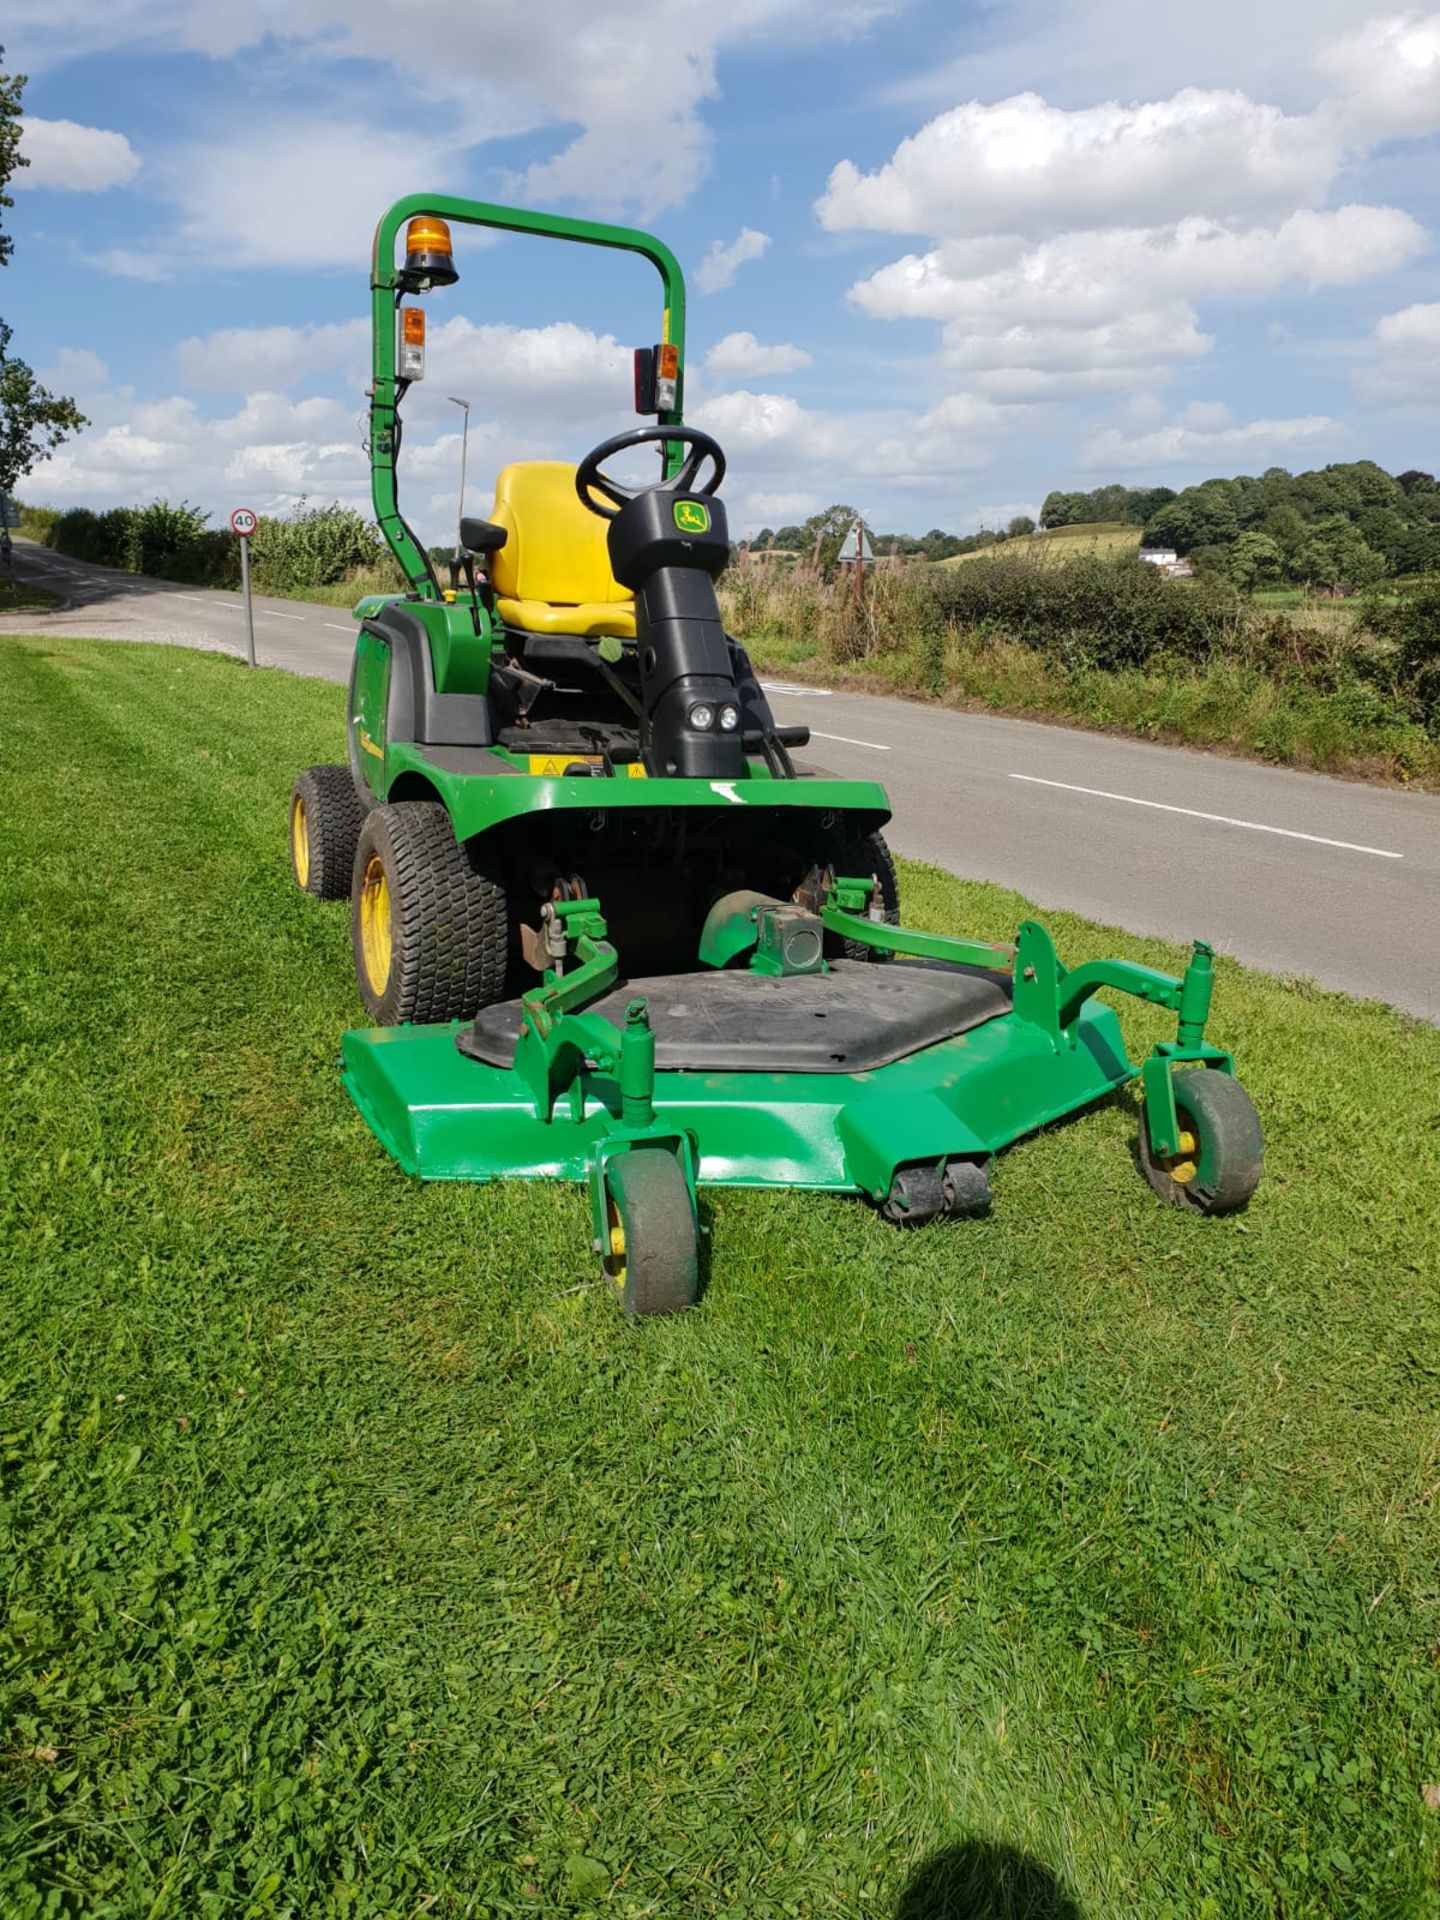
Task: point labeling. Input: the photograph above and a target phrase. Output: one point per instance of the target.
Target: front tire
(430, 932)
(325, 821)
(1221, 1145)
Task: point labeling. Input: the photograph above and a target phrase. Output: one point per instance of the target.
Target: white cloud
(1073, 251)
(741, 355)
(778, 509)
(132, 263)
(1205, 435)
(236, 359)
(627, 82)
(73, 158)
(299, 193)
(724, 261)
(1387, 76)
(1061, 49)
(76, 371)
(1022, 166)
(1094, 277)
(770, 433)
(1030, 360)
(540, 392)
(1403, 356)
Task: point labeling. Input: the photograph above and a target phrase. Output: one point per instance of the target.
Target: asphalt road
(1293, 872)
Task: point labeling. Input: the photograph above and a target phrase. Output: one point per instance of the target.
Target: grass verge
(359, 1559)
(1223, 704)
(18, 596)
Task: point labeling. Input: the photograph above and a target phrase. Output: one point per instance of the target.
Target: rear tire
(325, 821)
(867, 859)
(430, 932)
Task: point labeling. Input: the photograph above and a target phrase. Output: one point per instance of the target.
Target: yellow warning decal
(553, 764)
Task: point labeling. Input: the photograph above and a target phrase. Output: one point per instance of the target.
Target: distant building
(1168, 561)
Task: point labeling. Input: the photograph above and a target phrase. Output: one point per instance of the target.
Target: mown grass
(359, 1559)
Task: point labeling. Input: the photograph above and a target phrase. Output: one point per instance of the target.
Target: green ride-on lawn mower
(611, 931)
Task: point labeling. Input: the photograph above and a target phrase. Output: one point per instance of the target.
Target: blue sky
(942, 258)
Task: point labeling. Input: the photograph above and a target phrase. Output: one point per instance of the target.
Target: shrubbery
(919, 624)
(1410, 624)
(1093, 612)
(310, 547)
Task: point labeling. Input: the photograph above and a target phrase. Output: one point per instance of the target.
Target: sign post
(857, 550)
(242, 524)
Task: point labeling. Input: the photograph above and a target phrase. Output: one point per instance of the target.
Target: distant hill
(1349, 523)
(1054, 546)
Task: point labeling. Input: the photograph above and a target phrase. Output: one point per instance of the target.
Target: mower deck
(446, 1115)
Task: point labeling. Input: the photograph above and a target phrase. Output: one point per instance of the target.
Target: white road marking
(800, 693)
(335, 624)
(1221, 819)
(199, 602)
(273, 615)
(846, 741)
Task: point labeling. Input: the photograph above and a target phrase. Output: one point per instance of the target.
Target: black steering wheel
(702, 447)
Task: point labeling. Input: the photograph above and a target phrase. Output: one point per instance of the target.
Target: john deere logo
(691, 517)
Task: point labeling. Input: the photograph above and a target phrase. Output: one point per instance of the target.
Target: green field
(359, 1559)
(1054, 546)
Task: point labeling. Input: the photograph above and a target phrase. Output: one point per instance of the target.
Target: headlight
(729, 719)
(702, 717)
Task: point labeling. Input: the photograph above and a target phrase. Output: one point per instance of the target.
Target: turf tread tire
(333, 818)
(450, 933)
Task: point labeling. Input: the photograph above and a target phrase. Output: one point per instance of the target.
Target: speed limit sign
(243, 522)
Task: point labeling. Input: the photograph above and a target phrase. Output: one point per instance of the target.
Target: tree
(1336, 555)
(1019, 527)
(831, 527)
(33, 421)
(12, 85)
(1287, 527)
(1253, 559)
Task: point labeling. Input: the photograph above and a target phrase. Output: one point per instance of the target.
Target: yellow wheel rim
(615, 1244)
(300, 840)
(376, 926)
(1183, 1166)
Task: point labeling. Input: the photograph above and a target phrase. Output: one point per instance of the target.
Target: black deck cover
(858, 1016)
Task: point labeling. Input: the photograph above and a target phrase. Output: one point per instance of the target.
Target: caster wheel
(1221, 1146)
(651, 1257)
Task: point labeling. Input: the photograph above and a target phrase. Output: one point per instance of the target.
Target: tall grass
(1110, 642)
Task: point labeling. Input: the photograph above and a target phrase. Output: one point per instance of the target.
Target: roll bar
(386, 390)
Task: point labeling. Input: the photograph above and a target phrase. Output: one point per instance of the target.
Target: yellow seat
(553, 573)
